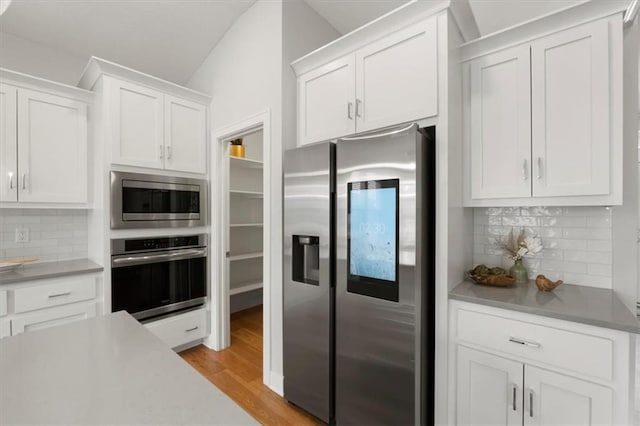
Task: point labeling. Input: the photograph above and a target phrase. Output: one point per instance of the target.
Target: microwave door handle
(121, 261)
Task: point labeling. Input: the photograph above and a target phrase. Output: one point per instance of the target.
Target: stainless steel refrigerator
(359, 273)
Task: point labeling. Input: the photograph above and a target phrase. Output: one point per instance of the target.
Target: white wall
(244, 74)
(19, 54)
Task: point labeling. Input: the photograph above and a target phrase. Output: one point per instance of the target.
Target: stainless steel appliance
(379, 261)
(309, 293)
(151, 201)
(158, 275)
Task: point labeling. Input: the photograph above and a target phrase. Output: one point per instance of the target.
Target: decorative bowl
(11, 264)
(493, 280)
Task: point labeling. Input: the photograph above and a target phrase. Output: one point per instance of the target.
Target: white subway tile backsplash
(54, 234)
(577, 241)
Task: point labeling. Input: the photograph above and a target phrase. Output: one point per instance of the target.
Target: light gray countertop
(587, 305)
(44, 270)
(105, 370)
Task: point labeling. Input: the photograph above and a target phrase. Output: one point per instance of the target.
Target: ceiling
(165, 38)
(171, 38)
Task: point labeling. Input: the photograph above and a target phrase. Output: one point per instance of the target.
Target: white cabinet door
(570, 112)
(137, 125)
(52, 148)
(52, 317)
(5, 328)
(500, 118)
(489, 389)
(397, 77)
(326, 99)
(185, 135)
(8, 144)
(554, 399)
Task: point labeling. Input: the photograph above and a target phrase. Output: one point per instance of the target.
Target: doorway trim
(220, 337)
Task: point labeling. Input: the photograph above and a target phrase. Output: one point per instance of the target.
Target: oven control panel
(132, 245)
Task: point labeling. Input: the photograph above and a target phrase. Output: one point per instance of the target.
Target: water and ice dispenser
(306, 259)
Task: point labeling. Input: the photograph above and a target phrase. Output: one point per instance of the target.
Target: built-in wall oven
(152, 201)
(158, 275)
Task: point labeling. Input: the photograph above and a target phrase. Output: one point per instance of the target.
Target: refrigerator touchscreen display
(373, 238)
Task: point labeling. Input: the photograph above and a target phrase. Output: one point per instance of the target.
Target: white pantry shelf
(242, 193)
(245, 287)
(246, 163)
(245, 256)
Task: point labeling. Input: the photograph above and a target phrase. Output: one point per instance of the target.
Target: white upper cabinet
(43, 142)
(137, 120)
(52, 148)
(185, 136)
(8, 144)
(326, 101)
(543, 120)
(500, 123)
(570, 109)
(390, 79)
(397, 78)
(147, 122)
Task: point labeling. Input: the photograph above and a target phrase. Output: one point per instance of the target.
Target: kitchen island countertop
(105, 370)
(46, 270)
(586, 305)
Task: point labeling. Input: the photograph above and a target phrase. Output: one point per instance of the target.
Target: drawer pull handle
(514, 390)
(192, 329)
(53, 296)
(524, 342)
(530, 403)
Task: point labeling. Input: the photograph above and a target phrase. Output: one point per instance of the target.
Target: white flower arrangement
(517, 248)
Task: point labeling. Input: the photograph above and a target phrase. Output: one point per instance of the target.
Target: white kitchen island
(105, 370)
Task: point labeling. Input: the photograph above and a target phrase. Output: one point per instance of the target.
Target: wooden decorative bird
(545, 284)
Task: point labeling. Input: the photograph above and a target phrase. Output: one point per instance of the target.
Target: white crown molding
(27, 81)
(541, 26)
(405, 15)
(97, 67)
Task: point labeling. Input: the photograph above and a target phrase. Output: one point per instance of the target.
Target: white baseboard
(276, 383)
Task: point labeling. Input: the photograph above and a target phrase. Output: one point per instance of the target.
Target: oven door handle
(141, 259)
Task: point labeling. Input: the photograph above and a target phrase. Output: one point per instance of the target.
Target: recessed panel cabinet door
(397, 78)
(553, 399)
(570, 112)
(8, 144)
(184, 135)
(52, 148)
(500, 118)
(137, 125)
(326, 102)
(489, 389)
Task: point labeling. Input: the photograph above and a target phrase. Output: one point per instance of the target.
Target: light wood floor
(237, 371)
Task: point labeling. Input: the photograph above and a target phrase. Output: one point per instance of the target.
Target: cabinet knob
(539, 170)
(169, 152)
(161, 151)
(514, 397)
(525, 175)
(358, 103)
(24, 180)
(530, 392)
(10, 174)
(350, 110)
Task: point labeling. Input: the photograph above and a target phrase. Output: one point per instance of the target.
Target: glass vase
(519, 272)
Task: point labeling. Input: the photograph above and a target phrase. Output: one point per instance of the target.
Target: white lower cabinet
(52, 317)
(38, 304)
(492, 390)
(180, 329)
(520, 369)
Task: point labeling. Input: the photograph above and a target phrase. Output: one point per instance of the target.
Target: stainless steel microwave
(152, 201)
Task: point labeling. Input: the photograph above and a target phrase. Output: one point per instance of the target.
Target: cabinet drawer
(557, 347)
(5, 328)
(52, 317)
(54, 293)
(3, 303)
(180, 329)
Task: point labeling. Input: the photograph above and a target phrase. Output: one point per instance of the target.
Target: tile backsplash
(54, 234)
(577, 241)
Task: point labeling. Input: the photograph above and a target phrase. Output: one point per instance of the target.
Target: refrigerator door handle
(382, 135)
